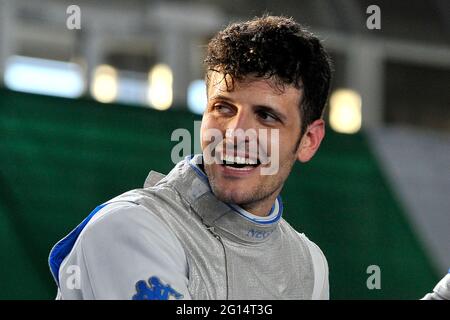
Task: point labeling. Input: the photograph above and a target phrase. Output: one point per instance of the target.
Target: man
(212, 228)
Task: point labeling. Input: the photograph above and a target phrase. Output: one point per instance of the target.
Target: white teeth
(229, 159)
(243, 168)
(238, 160)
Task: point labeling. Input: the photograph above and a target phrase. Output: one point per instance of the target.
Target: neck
(262, 207)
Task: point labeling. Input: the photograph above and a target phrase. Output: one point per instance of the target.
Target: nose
(241, 131)
(242, 120)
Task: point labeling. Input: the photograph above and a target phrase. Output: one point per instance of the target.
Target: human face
(254, 103)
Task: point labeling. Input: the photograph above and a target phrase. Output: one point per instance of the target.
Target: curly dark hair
(278, 47)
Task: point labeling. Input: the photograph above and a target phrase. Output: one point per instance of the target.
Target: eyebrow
(221, 97)
(259, 107)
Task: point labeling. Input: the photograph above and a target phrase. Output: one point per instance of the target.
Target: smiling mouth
(239, 163)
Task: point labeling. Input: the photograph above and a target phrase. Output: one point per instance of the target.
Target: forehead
(251, 87)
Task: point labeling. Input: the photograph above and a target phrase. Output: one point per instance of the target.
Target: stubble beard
(267, 188)
(261, 192)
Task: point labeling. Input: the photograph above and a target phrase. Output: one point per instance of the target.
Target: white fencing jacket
(174, 239)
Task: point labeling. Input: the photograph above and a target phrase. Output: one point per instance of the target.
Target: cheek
(287, 143)
(202, 134)
(209, 131)
(277, 142)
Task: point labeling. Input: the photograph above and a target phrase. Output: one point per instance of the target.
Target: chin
(227, 196)
(235, 190)
(233, 194)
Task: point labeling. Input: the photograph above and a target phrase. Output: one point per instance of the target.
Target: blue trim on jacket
(61, 249)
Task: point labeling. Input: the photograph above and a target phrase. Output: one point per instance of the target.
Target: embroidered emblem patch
(155, 290)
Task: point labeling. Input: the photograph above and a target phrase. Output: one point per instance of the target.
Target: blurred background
(87, 108)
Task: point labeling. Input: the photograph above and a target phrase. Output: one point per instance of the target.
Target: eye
(223, 109)
(267, 116)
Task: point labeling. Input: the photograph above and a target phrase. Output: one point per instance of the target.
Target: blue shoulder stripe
(60, 251)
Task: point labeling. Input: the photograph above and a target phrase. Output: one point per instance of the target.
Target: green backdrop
(60, 158)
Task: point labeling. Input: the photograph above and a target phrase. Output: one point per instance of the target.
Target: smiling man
(255, 104)
(213, 227)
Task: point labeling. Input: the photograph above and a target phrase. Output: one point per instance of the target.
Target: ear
(311, 140)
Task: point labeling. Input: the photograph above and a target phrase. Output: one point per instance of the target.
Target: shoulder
(313, 247)
(320, 264)
(314, 250)
(120, 244)
(131, 222)
(119, 216)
